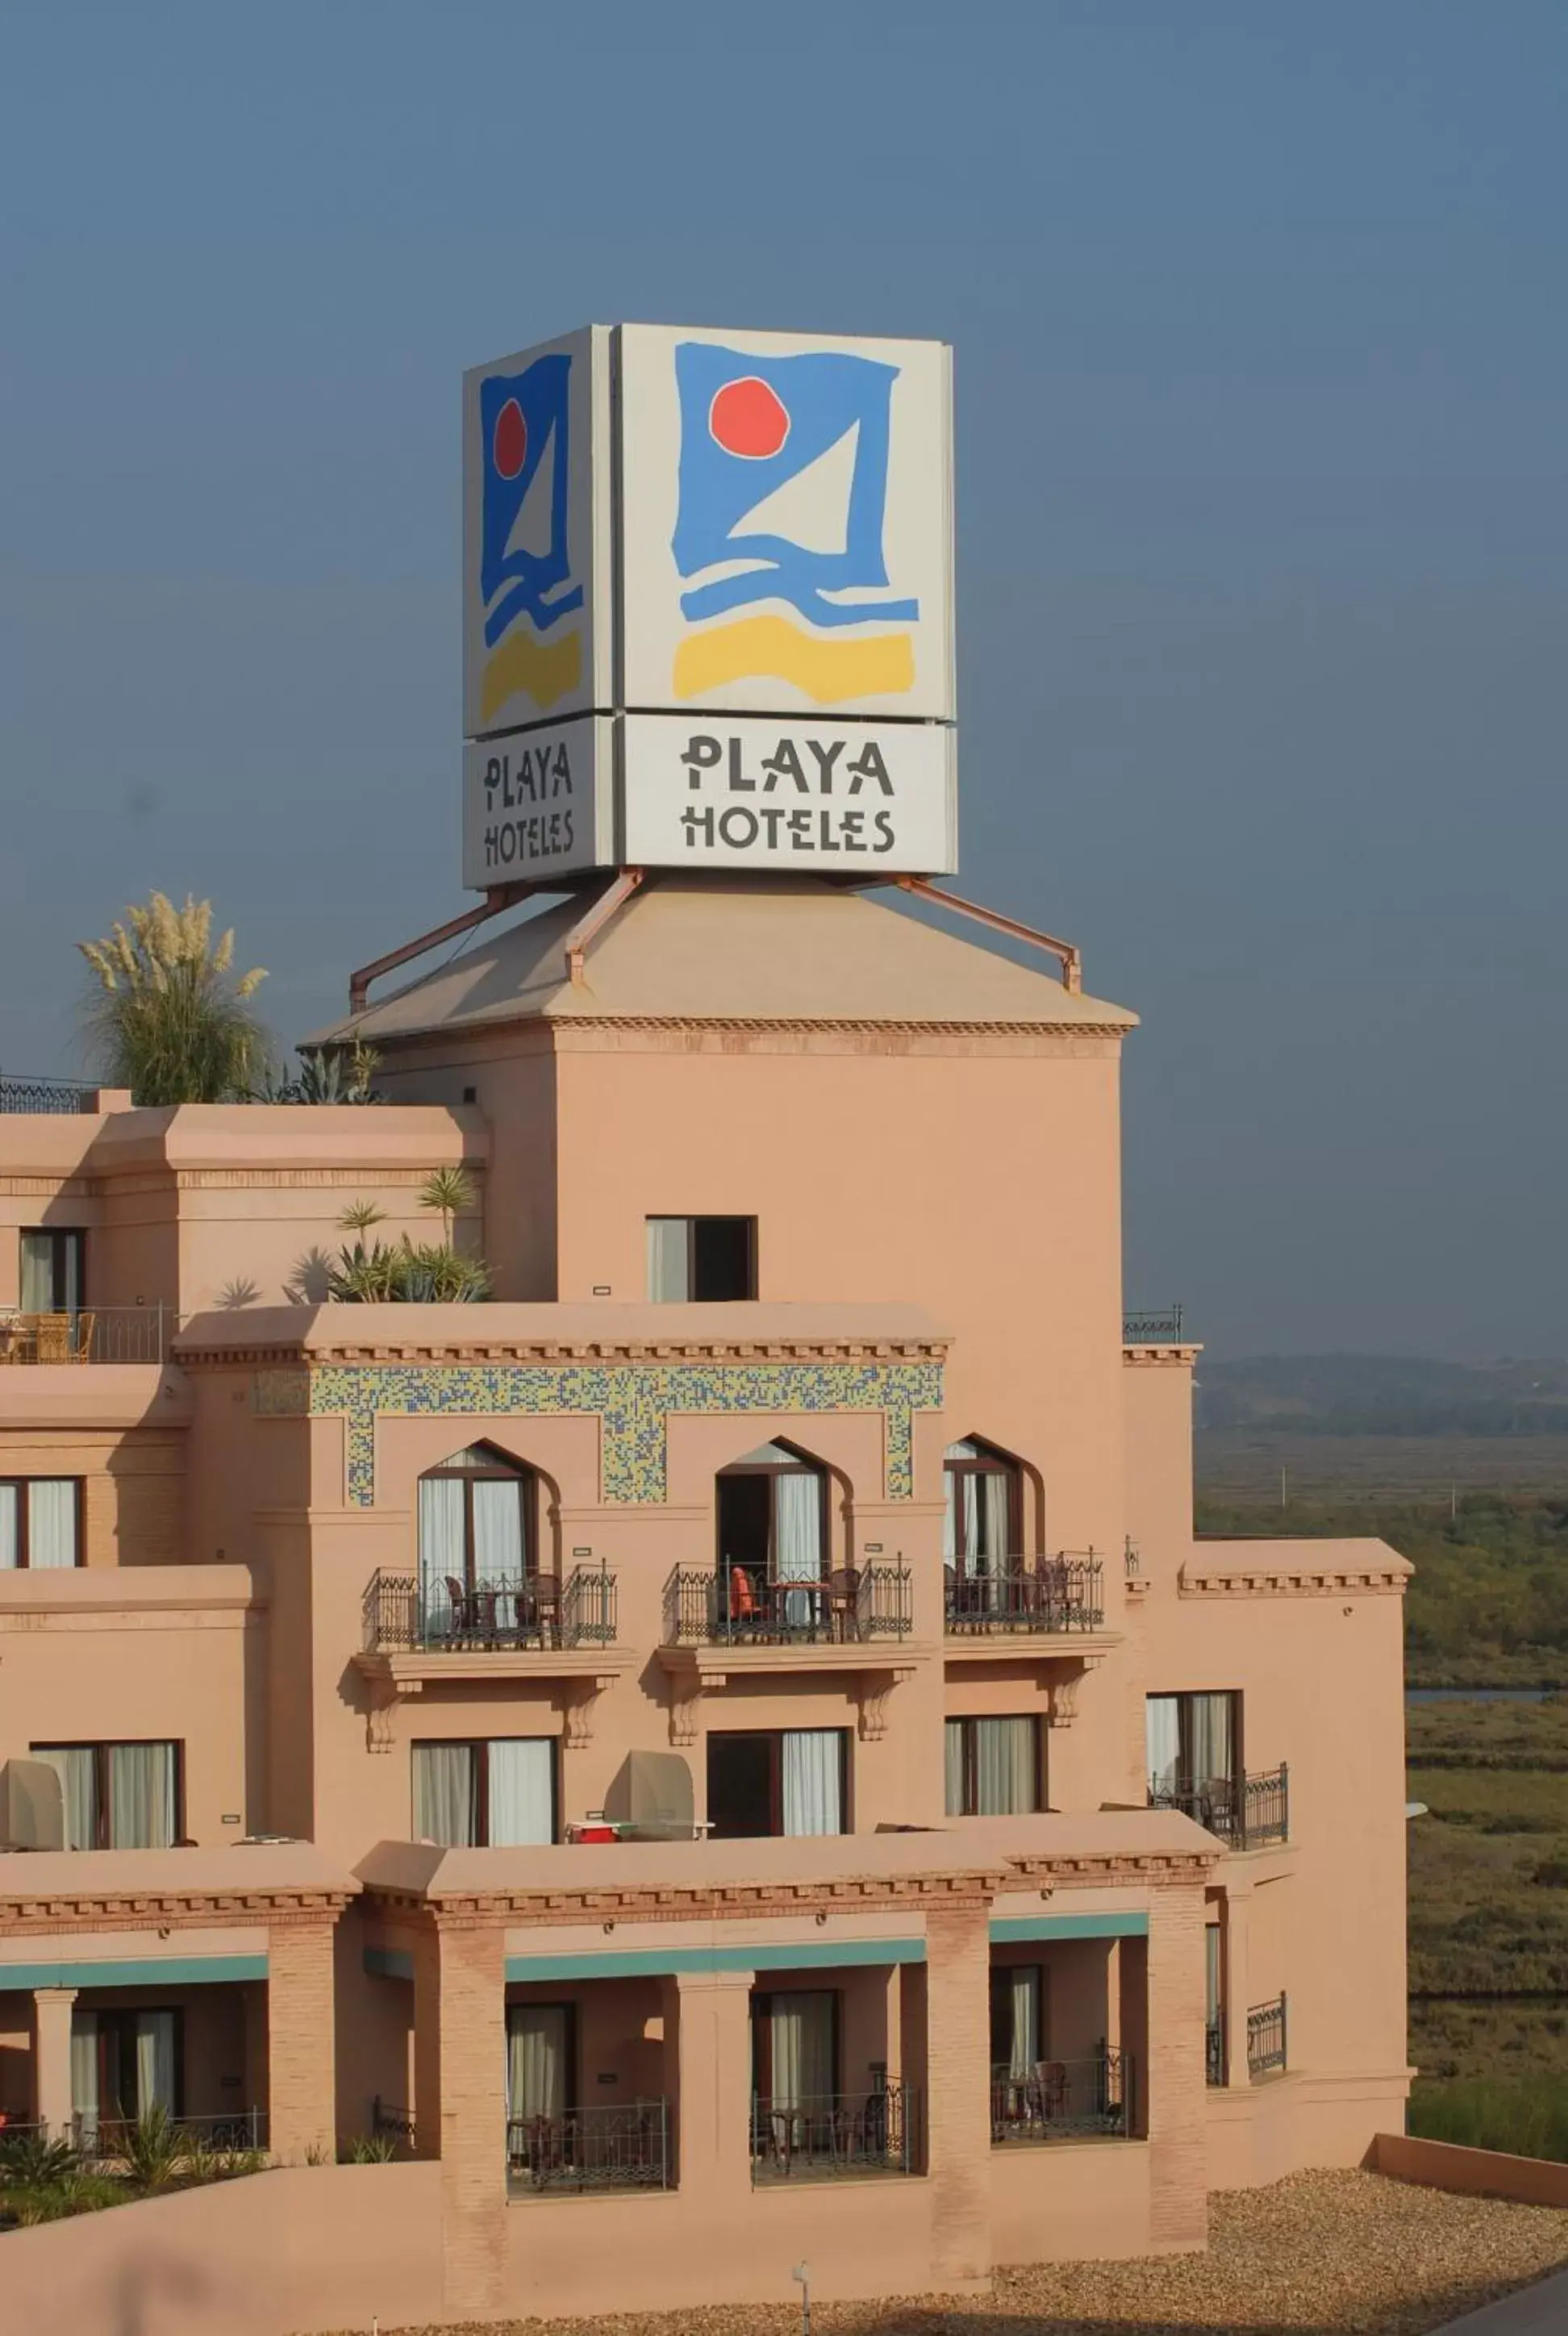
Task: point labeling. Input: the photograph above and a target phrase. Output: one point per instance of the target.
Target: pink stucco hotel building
(727, 1753)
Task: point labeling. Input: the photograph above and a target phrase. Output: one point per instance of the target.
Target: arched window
(478, 1527)
(983, 1529)
(773, 1539)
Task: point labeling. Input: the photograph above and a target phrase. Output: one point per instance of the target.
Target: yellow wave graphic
(828, 671)
(545, 671)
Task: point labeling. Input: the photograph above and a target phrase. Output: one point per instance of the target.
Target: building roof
(683, 949)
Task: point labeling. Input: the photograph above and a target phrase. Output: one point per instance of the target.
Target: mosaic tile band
(634, 1401)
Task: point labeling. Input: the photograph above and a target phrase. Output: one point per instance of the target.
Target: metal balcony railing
(19, 1094)
(621, 2148)
(1161, 1329)
(90, 1334)
(106, 2138)
(389, 2121)
(1064, 2100)
(834, 2133)
(740, 1606)
(404, 1616)
(1266, 2036)
(1132, 1560)
(1026, 1594)
(1244, 1812)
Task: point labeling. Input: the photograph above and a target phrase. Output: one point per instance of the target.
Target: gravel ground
(1317, 2254)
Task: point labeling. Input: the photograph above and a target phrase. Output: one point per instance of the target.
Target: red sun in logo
(748, 418)
(509, 443)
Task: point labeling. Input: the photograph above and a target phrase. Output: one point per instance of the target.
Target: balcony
(1064, 2100)
(531, 1611)
(528, 1626)
(593, 2149)
(854, 1604)
(719, 1625)
(1027, 1597)
(1213, 2052)
(1244, 1813)
(828, 2134)
(1266, 2039)
(95, 1334)
(1161, 1329)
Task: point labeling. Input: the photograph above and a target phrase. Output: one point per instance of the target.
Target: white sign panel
(536, 471)
(786, 523)
(538, 803)
(820, 797)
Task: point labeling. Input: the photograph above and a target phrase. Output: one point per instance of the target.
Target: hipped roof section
(757, 950)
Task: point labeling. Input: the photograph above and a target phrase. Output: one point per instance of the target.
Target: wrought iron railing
(106, 2138)
(835, 2133)
(1064, 2100)
(389, 2121)
(1215, 2053)
(1266, 2036)
(401, 1615)
(1161, 1329)
(1027, 1595)
(88, 1334)
(740, 1606)
(621, 2148)
(1246, 1813)
(19, 1094)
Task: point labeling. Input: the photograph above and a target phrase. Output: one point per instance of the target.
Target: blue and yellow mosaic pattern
(634, 1400)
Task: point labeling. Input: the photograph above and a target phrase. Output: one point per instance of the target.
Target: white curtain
(9, 1549)
(142, 1812)
(522, 1799)
(1006, 1784)
(78, 1774)
(154, 2062)
(1163, 1741)
(801, 2043)
(992, 1521)
(536, 2059)
(84, 2070)
(441, 1554)
(668, 1249)
(497, 1530)
(954, 1747)
(1024, 1993)
(1210, 1748)
(38, 1295)
(445, 1794)
(52, 1521)
(798, 1542)
(956, 1484)
(813, 1800)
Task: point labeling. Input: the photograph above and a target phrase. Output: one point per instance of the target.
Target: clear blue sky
(1261, 330)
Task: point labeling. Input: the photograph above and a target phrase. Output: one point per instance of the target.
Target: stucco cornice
(1294, 1581)
(670, 1902)
(59, 1912)
(1163, 1868)
(490, 1349)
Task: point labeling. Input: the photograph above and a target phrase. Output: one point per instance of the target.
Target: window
(496, 1793)
(794, 2038)
(1195, 1746)
(118, 1795)
(53, 1272)
(478, 1519)
(40, 1521)
(984, 1522)
(789, 1781)
(124, 2065)
(773, 1531)
(1017, 2027)
(541, 2060)
(708, 1258)
(994, 1768)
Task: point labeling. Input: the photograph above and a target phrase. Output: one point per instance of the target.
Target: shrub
(154, 2150)
(367, 2149)
(170, 1020)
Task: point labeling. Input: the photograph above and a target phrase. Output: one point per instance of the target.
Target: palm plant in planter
(404, 1273)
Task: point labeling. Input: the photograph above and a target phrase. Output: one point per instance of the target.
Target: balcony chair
(546, 1604)
(742, 1600)
(843, 1601)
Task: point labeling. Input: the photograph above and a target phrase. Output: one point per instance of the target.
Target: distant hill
(1382, 1394)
